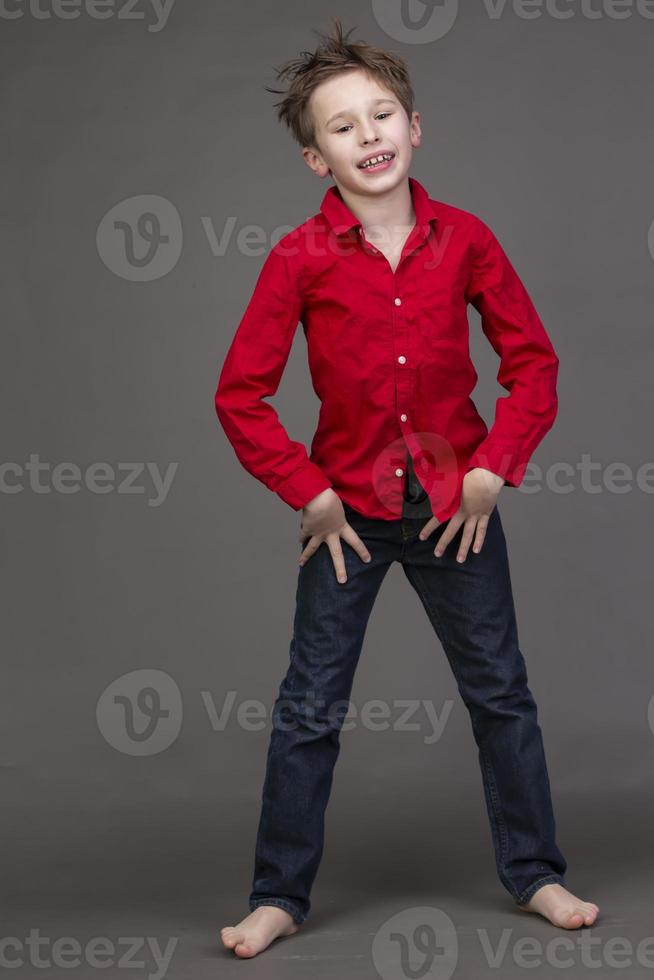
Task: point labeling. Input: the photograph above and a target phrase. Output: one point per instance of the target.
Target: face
(356, 118)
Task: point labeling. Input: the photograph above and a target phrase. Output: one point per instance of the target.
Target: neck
(390, 215)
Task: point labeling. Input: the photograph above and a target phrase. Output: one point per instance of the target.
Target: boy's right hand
(323, 519)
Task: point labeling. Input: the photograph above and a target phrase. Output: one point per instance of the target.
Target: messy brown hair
(335, 54)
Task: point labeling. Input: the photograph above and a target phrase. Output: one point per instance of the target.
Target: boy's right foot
(561, 907)
(257, 930)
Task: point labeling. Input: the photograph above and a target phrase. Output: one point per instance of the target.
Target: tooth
(378, 159)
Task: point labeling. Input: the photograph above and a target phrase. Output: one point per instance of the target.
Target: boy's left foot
(561, 907)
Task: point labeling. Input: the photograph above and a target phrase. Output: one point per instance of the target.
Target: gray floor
(409, 893)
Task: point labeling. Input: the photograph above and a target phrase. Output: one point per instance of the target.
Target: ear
(315, 162)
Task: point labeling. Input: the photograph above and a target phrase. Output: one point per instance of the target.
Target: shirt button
(399, 472)
(402, 359)
(403, 417)
(398, 301)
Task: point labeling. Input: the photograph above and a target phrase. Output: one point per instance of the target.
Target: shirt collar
(341, 218)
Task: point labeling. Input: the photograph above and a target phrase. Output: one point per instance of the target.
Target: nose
(370, 137)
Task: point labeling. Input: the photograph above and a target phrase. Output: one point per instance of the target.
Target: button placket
(403, 367)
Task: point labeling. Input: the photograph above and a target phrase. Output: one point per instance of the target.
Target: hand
(478, 497)
(323, 519)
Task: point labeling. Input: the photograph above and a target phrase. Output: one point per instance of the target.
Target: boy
(402, 468)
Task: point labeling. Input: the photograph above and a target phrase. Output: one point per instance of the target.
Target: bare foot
(257, 930)
(561, 907)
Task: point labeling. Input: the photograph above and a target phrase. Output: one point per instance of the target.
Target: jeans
(470, 606)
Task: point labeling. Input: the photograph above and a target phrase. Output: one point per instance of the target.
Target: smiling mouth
(377, 162)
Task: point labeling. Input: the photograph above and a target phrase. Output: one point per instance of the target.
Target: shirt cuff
(504, 460)
(303, 485)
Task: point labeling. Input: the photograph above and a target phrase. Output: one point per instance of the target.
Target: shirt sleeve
(528, 363)
(251, 372)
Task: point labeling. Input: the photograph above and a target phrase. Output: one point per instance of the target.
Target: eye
(380, 115)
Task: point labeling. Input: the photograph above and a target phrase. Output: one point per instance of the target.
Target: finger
(430, 526)
(453, 526)
(312, 546)
(350, 535)
(466, 538)
(482, 524)
(334, 545)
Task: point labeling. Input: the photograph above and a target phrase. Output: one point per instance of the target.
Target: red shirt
(389, 360)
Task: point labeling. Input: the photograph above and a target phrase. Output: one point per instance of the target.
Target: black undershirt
(415, 502)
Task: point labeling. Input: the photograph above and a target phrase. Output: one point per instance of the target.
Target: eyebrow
(344, 112)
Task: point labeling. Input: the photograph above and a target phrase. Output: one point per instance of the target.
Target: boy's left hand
(479, 495)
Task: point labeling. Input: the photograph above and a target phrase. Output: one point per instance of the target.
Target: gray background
(542, 127)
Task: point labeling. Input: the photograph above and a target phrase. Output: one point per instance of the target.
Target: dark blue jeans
(470, 606)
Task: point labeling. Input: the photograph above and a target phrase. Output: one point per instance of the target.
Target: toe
(243, 950)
